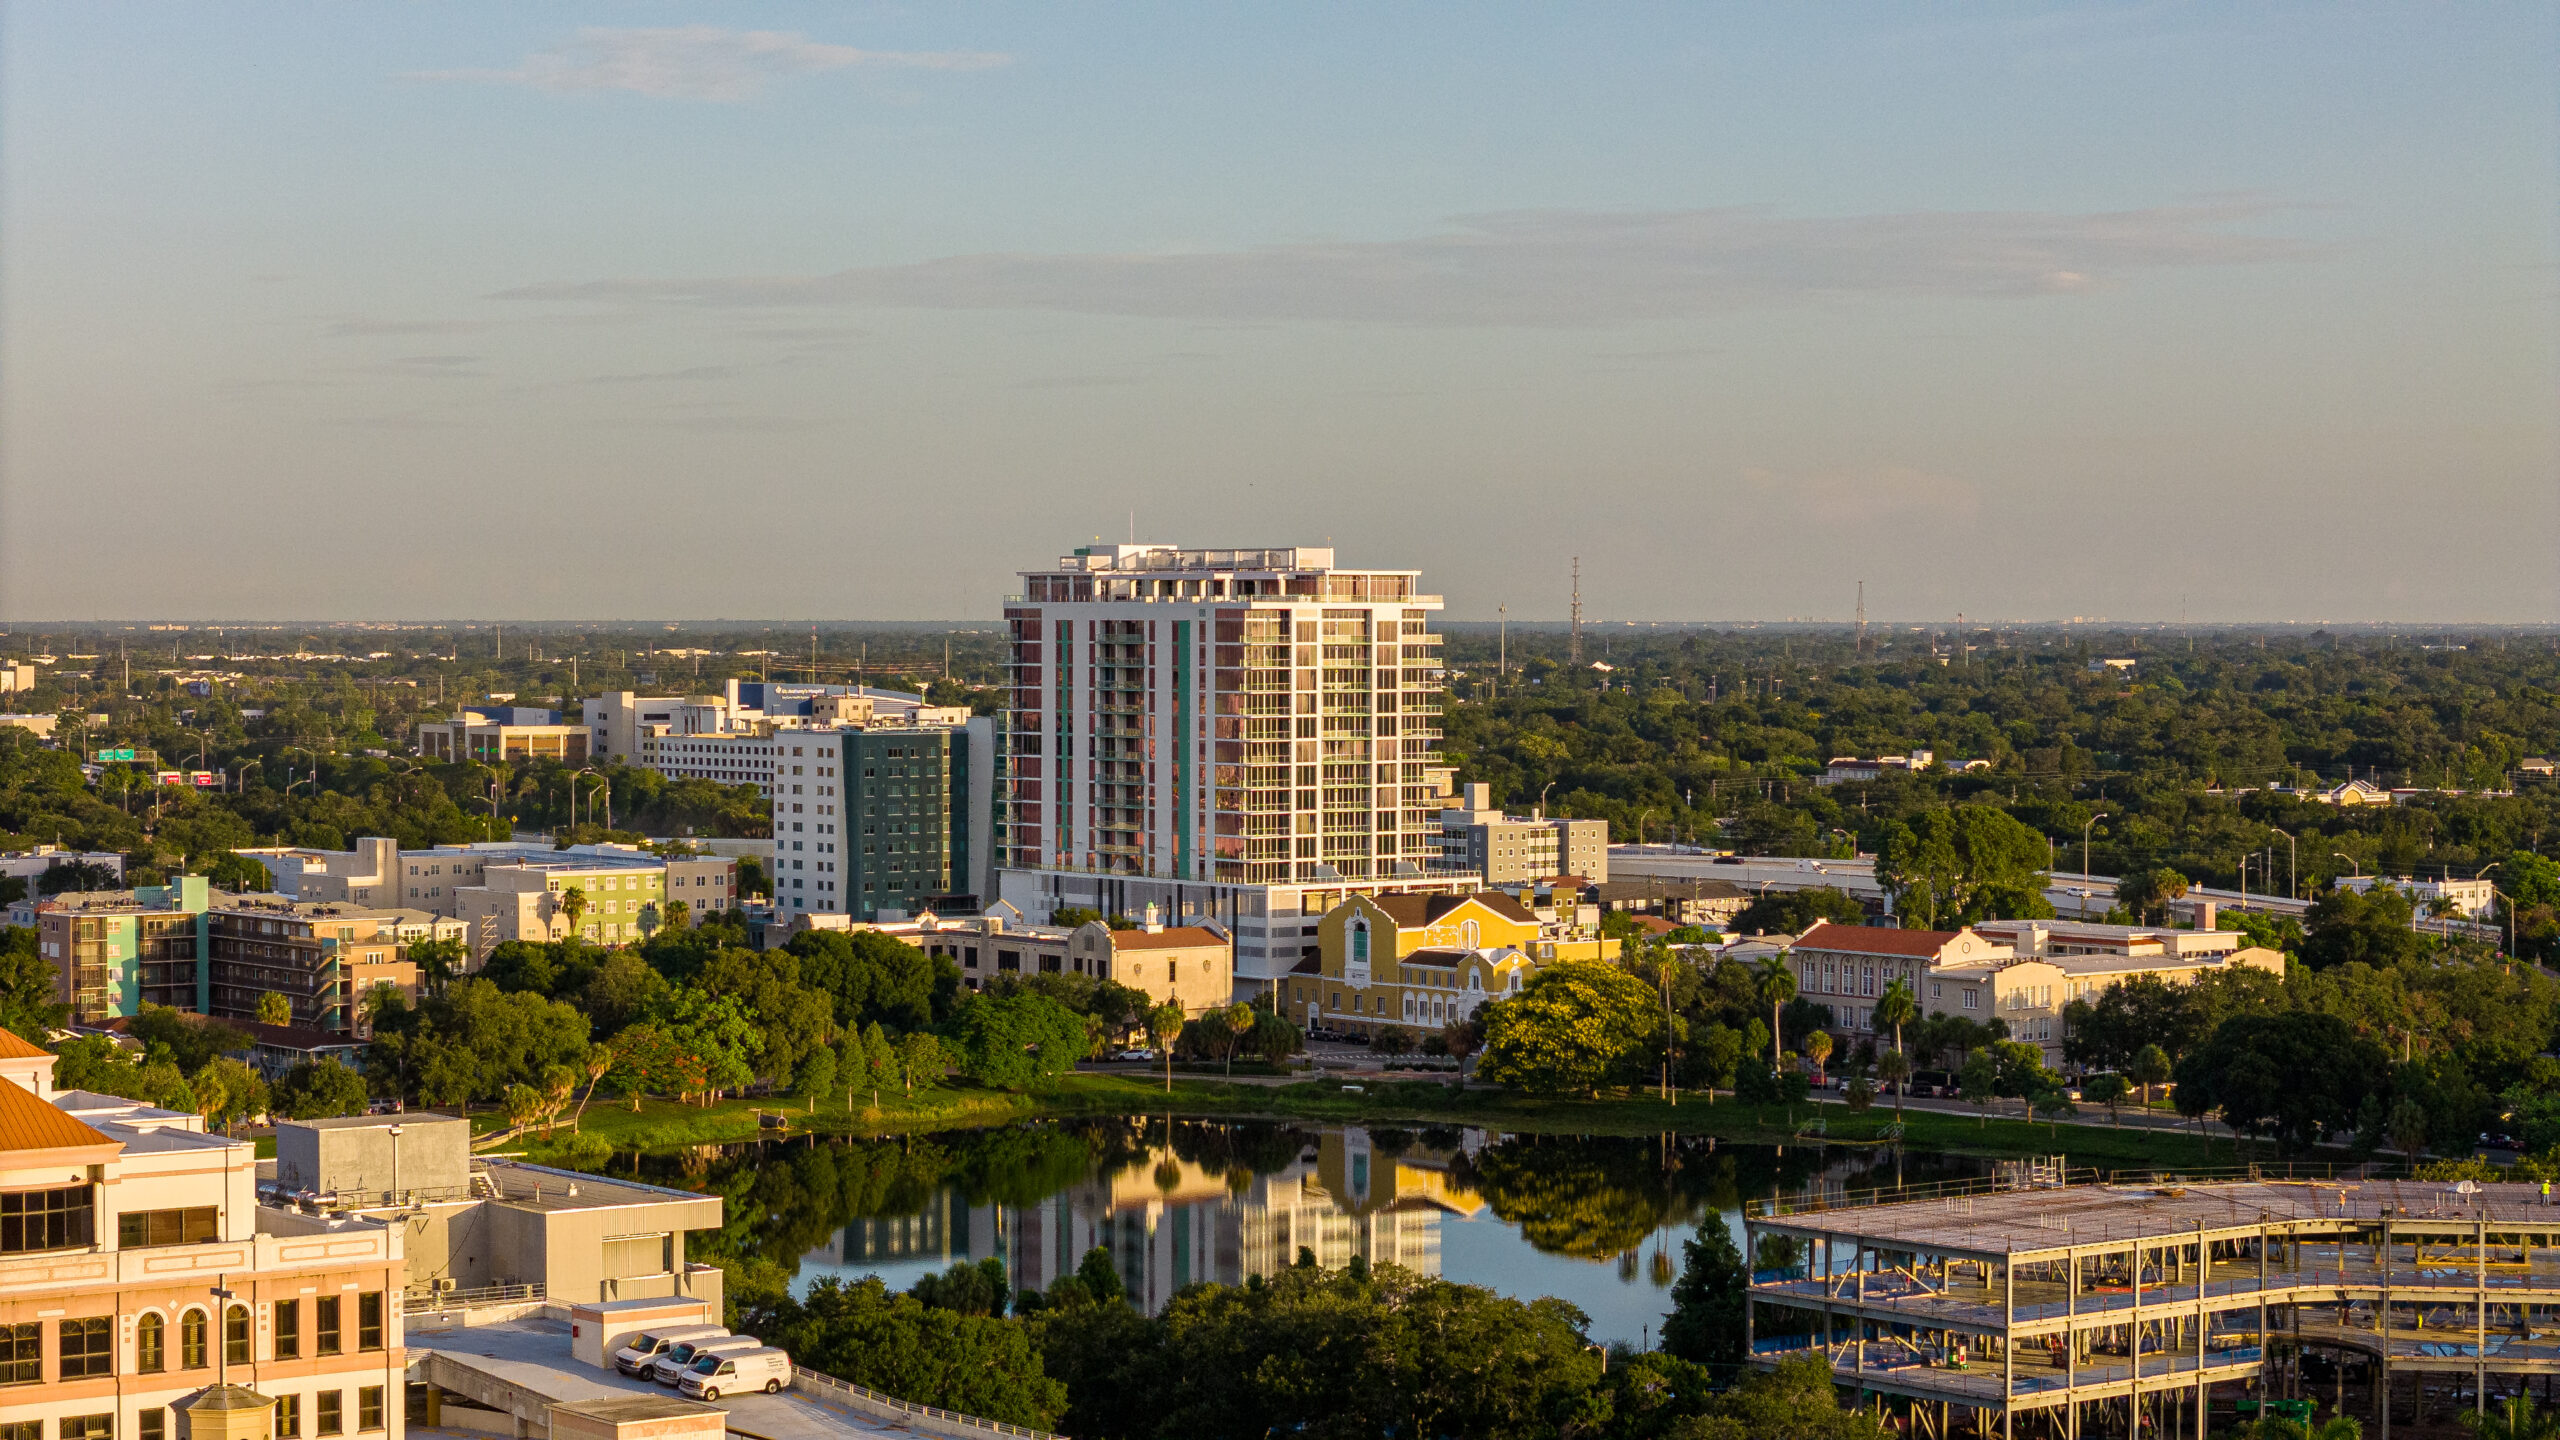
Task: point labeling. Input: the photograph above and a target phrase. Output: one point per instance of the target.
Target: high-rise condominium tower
(1242, 735)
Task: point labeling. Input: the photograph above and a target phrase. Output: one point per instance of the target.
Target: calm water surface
(1594, 1220)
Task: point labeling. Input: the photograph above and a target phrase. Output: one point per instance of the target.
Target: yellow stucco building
(1422, 962)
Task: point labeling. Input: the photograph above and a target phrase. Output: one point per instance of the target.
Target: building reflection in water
(1168, 1222)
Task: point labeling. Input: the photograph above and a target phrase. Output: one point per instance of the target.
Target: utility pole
(1574, 648)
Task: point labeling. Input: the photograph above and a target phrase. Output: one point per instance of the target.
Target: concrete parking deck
(524, 1367)
(2042, 1300)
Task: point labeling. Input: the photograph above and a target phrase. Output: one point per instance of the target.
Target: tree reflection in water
(1248, 1194)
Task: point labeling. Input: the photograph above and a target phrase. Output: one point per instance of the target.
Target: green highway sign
(124, 754)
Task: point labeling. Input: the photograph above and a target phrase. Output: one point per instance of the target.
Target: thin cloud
(1536, 268)
(407, 327)
(700, 62)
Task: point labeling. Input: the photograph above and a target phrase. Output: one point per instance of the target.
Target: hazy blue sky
(850, 311)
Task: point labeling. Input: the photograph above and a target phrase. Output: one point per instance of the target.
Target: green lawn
(661, 1123)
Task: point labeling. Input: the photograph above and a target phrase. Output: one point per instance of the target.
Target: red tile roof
(1875, 940)
(1422, 910)
(1172, 937)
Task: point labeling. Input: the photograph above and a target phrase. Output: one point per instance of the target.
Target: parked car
(669, 1368)
(712, 1376)
(635, 1358)
(1135, 1055)
(1931, 1082)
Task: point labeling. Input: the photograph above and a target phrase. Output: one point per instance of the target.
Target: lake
(1594, 1220)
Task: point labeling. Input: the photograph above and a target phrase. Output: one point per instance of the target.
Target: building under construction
(2052, 1305)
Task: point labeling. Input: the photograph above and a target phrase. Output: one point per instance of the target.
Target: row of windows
(85, 1348)
(328, 1412)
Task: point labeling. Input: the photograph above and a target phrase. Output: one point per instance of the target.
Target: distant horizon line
(174, 626)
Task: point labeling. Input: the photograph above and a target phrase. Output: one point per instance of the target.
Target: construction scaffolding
(2045, 1304)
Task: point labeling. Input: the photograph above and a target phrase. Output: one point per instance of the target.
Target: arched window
(191, 1340)
(151, 1345)
(235, 1335)
(1469, 934)
(1359, 941)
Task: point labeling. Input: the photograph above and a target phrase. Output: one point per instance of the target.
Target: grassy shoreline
(660, 1124)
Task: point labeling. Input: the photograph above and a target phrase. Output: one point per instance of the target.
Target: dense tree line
(1717, 738)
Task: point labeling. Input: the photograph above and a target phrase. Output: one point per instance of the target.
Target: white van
(669, 1368)
(635, 1358)
(712, 1376)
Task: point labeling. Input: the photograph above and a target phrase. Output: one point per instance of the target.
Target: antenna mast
(1862, 617)
(1574, 650)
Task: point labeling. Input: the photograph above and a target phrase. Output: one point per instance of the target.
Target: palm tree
(1897, 1007)
(1817, 1047)
(1893, 1067)
(1164, 1022)
(2150, 1067)
(2517, 1418)
(599, 1063)
(677, 915)
(1239, 1018)
(2406, 1124)
(573, 903)
(1776, 985)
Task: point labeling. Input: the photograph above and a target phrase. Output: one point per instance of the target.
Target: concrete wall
(430, 1155)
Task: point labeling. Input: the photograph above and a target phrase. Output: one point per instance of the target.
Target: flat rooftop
(534, 1354)
(2053, 1218)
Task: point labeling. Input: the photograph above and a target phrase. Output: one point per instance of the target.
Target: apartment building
(1477, 837)
(140, 1279)
(1238, 736)
(436, 881)
(604, 900)
(885, 820)
(729, 737)
(183, 946)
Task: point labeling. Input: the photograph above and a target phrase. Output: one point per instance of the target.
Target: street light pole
(2351, 862)
(2292, 866)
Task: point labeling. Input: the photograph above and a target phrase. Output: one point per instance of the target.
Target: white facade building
(1238, 736)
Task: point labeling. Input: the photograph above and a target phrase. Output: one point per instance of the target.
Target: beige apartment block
(529, 900)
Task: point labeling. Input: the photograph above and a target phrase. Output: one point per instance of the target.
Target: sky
(852, 311)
